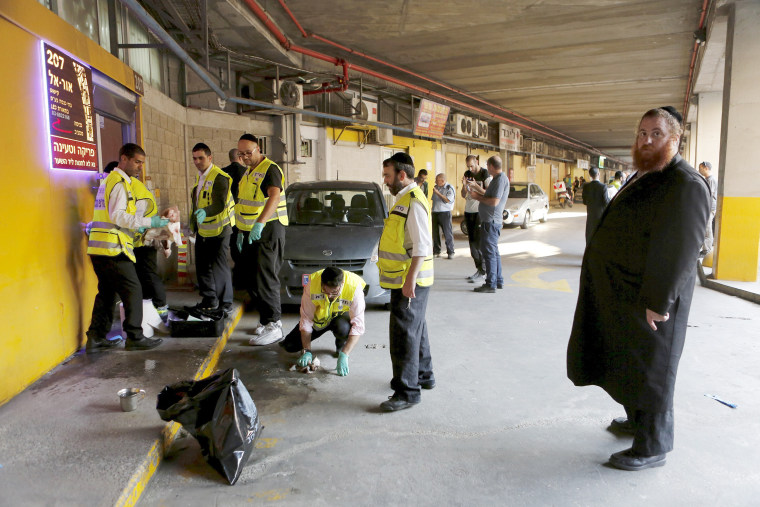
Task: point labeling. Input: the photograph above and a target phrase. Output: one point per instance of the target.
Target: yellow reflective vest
(142, 193)
(251, 199)
(393, 259)
(214, 225)
(327, 310)
(107, 238)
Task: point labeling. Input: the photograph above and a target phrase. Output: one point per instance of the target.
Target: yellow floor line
(139, 480)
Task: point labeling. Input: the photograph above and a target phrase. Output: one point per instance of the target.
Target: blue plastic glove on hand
(255, 233)
(239, 241)
(304, 360)
(200, 216)
(142, 230)
(342, 364)
(157, 221)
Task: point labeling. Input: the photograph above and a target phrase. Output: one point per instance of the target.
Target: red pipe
(259, 12)
(694, 59)
(284, 6)
(343, 82)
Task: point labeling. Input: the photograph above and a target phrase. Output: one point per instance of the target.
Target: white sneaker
(259, 329)
(271, 333)
(473, 276)
(477, 278)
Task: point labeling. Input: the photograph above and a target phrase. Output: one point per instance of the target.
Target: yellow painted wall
(738, 234)
(47, 285)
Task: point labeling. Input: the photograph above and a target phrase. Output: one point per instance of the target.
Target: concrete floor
(504, 426)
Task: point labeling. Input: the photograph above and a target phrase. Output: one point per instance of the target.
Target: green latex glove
(342, 364)
(200, 216)
(255, 233)
(305, 359)
(142, 230)
(239, 241)
(157, 221)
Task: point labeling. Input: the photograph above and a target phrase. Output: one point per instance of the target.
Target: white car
(526, 202)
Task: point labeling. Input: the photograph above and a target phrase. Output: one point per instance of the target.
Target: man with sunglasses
(332, 300)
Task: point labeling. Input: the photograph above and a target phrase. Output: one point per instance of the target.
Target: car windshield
(518, 191)
(335, 206)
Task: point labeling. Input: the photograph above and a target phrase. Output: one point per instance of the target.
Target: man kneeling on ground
(333, 300)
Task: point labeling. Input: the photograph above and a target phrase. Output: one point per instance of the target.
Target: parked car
(333, 223)
(526, 202)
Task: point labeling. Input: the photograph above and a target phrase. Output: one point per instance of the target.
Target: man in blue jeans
(490, 210)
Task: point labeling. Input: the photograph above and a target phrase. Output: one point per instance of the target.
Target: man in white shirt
(111, 251)
(474, 176)
(332, 300)
(443, 205)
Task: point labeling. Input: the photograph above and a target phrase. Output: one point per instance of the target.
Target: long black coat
(642, 255)
(595, 197)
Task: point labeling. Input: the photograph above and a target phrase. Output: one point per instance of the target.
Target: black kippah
(675, 114)
(402, 157)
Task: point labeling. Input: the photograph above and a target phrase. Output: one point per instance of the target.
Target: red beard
(649, 160)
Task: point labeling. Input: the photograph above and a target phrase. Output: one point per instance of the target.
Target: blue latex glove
(157, 221)
(200, 216)
(255, 234)
(305, 359)
(239, 241)
(142, 230)
(342, 364)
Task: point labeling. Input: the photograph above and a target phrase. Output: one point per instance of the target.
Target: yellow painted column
(738, 215)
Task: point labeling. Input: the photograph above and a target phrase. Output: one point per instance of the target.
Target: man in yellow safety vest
(332, 300)
(261, 217)
(212, 218)
(111, 250)
(406, 267)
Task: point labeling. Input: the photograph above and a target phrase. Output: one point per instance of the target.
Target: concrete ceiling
(586, 68)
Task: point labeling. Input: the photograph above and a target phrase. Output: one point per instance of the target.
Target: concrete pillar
(708, 132)
(738, 226)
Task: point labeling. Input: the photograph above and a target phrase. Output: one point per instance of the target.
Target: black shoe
(427, 384)
(142, 344)
(395, 403)
(485, 288)
(95, 345)
(499, 285)
(629, 460)
(621, 425)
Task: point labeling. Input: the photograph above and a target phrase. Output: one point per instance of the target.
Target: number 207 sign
(69, 110)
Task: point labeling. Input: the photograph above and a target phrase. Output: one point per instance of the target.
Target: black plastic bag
(220, 414)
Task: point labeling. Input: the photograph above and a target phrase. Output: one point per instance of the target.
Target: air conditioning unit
(479, 129)
(364, 109)
(462, 125)
(288, 94)
(384, 136)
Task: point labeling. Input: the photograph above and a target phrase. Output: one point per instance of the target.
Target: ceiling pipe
(694, 51)
(264, 18)
(424, 78)
(326, 88)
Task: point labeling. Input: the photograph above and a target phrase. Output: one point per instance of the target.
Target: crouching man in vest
(333, 300)
(406, 267)
(111, 250)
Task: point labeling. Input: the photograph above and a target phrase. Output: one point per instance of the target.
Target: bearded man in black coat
(636, 286)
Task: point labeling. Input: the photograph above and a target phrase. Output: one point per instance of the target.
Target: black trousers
(442, 219)
(238, 270)
(653, 431)
(263, 259)
(473, 235)
(147, 271)
(116, 275)
(213, 270)
(409, 345)
(340, 327)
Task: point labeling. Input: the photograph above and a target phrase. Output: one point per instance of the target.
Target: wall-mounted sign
(71, 117)
(509, 137)
(431, 119)
(582, 164)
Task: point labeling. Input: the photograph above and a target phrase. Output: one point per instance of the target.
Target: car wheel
(463, 227)
(546, 213)
(526, 221)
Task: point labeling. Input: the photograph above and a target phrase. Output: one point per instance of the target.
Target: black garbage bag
(220, 414)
